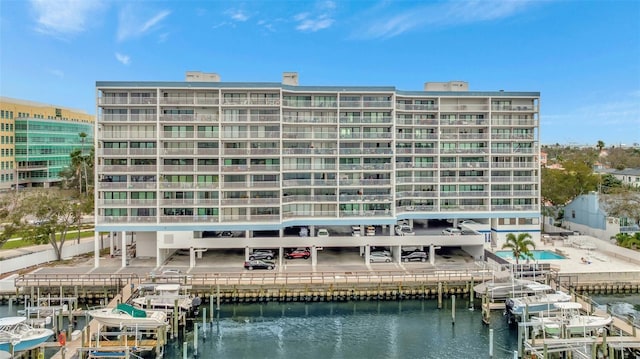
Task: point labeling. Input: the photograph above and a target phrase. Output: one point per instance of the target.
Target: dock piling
(490, 343)
(453, 309)
(195, 339)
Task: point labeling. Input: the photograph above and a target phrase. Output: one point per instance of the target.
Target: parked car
(322, 232)
(466, 222)
(225, 234)
(414, 256)
(259, 264)
(451, 231)
(371, 231)
(377, 257)
(262, 254)
(355, 231)
(298, 253)
(404, 230)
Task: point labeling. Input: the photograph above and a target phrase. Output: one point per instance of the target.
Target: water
(406, 329)
(368, 329)
(545, 255)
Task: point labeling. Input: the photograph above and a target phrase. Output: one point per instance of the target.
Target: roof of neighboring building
(627, 172)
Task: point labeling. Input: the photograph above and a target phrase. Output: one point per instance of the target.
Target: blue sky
(583, 56)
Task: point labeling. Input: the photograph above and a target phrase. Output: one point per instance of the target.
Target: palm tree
(600, 146)
(83, 137)
(519, 245)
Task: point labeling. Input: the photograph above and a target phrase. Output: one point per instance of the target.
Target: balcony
(177, 202)
(309, 119)
(464, 107)
(188, 219)
(177, 100)
(207, 151)
(416, 107)
(309, 151)
(514, 122)
(177, 168)
(265, 184)
(142, 151)
(207, 168)
(251, 218)
(178, 151)
(126, 168)
(309, 214)
(177, 185)
(181, 134)
(514, 108)
(128, 135)
(250, 168)
(206, 100)
(366, 213)
(366, 120)
(309, 198)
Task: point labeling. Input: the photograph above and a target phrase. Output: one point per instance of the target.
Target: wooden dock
(71, 347)
(622, 334)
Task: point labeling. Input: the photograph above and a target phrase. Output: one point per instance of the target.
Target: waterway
(365, 329)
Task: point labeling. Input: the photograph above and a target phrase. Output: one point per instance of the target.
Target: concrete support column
(192, 257)
(280, 257)
(281, 232)
(247, 252)
(312, 231)
(96, 249)
(396, 252)
(111, 234)
(314, 256)
(432, 254)
(123, 248)
(367, 253)
(362, 250)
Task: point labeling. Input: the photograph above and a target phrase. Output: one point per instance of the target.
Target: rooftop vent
(197, 76)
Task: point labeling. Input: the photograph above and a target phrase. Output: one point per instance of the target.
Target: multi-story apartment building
(36, 141)
(177, 160)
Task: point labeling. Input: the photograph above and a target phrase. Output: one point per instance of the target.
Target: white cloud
(237, 15)
(131, 25)
(124, 59)
(64, 17)
(450, 13)
(321, 17)
(313, 25)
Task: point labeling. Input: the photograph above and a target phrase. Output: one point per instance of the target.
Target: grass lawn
(19, 243)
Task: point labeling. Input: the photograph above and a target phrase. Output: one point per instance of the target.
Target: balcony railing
(416, 107)
(310, 119)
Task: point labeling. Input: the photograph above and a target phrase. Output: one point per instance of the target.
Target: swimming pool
(542, 255)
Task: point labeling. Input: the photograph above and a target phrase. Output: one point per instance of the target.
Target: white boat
(542, 300)
(16, 331)
(571, 321)
(503, 288)
(164, 297)
(125, 315)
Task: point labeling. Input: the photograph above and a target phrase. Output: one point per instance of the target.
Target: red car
(298, 253)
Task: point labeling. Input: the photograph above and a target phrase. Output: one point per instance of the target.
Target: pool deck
(598, 261)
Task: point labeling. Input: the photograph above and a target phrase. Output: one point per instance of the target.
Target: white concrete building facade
(176, 160)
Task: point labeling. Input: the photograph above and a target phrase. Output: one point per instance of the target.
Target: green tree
(600, 146)
(44, 216)
(9, 216)
(519, 245)
(559, 187)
